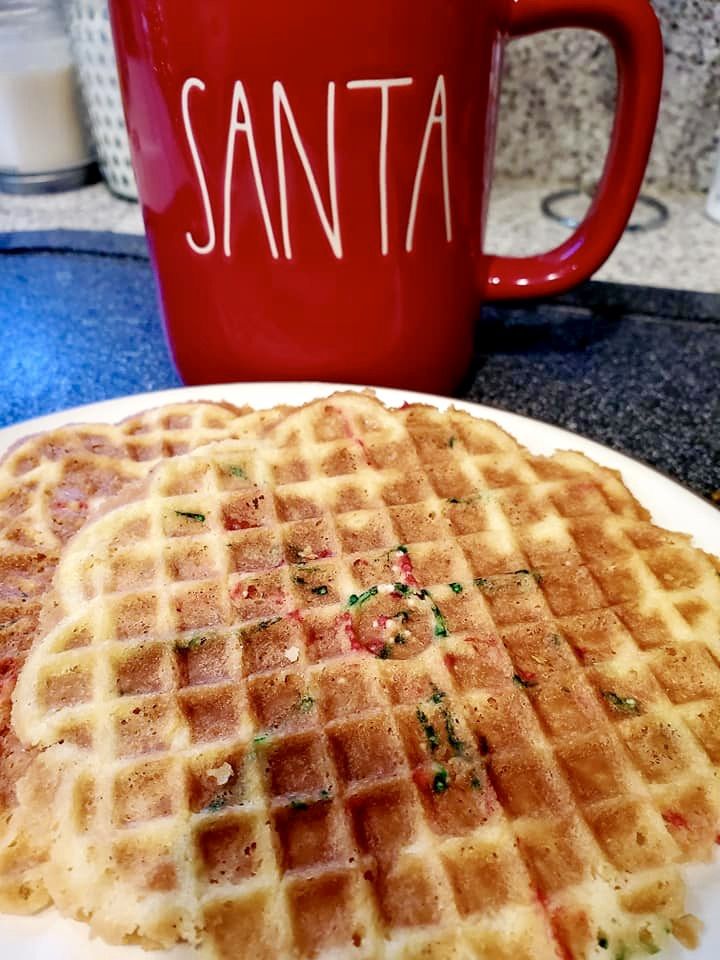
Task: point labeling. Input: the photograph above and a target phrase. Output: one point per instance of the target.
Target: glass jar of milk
(44, 143)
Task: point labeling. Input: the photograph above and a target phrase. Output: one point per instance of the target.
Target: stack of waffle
(345, 681)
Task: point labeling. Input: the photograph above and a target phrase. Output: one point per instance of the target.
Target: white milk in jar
(44, 144)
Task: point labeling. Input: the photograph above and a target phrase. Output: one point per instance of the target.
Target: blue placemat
(79, 322)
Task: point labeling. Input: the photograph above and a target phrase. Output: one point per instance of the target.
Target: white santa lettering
(287, 135)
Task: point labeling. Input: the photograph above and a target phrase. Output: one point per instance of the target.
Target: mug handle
(634, 32)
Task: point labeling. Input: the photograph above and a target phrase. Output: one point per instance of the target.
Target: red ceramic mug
(314, 176)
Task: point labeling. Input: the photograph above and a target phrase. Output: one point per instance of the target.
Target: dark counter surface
(636, 368)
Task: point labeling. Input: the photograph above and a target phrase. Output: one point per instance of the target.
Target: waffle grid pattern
(383, 686)
(49, 484)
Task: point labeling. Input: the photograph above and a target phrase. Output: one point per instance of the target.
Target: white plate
(50, 937)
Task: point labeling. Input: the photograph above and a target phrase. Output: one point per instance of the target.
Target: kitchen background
(559, 93)
(556, 111)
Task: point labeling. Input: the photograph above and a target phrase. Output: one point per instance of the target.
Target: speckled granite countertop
(684, 254)
(633, 367)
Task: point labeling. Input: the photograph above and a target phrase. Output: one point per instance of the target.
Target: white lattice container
(89, 25)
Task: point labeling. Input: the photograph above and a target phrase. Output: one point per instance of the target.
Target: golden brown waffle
(384, 685)
(49, 484)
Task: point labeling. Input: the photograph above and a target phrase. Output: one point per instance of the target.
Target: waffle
(49, 484)
(381, 685)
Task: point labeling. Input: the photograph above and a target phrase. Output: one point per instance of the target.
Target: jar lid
(23, 18)
(32, 36)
